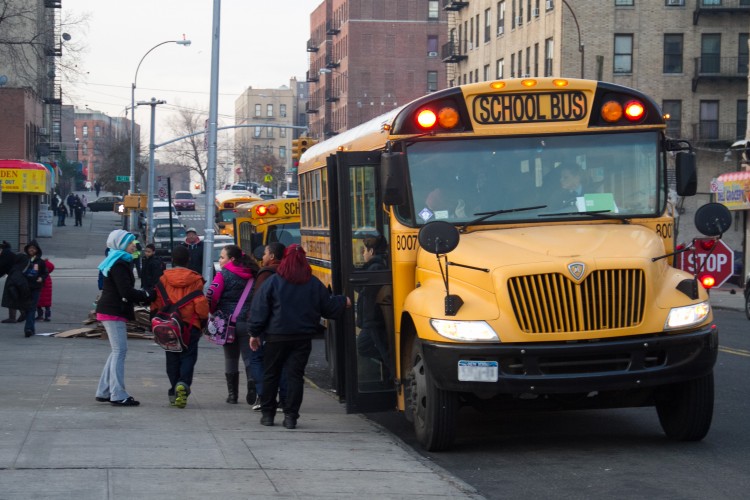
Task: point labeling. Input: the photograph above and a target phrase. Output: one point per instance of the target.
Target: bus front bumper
(603, 365)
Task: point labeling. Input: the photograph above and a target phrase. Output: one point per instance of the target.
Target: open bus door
(365, 336)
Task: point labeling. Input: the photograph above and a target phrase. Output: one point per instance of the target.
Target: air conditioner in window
(519, 20)
(549, 5)
(432, 54)
(500, 30)
(675, 2)
(535, 12)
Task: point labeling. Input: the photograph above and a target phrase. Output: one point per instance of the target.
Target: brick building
(366, 59)
(93, 133)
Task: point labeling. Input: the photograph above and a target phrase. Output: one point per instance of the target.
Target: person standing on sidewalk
(152, 267)
(16, 293)
(113, 310)
(44, 306)
(225, 292)
(78, 211)
(177, 283)
(195, 246)
(287, 310)
(62, 212)
(36, 274)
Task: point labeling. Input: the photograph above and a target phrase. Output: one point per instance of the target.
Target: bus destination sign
(495, 109)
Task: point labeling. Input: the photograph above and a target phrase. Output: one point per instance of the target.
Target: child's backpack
(169, 330)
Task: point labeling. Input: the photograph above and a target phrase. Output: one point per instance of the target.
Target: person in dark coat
(16, 293)
(7, 259)
(78, 211)
(97, 188)
(62, 212)
(113, 310)
(36, 274)
(152, 267)
(195, 246)
(287, 310)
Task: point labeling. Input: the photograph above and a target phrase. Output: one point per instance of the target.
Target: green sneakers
(181, 391)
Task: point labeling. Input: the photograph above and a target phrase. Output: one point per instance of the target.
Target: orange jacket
(179, 282)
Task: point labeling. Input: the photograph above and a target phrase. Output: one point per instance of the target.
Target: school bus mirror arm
(393, 167)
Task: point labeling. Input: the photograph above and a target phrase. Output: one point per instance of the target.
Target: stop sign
(719, 263)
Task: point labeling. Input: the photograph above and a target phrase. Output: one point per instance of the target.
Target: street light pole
(151, 148)
(133, 215)
(580, 43)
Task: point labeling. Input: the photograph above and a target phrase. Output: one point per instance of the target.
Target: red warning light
(261, 210)
(426, 118)
(634, 110)
(707, 281)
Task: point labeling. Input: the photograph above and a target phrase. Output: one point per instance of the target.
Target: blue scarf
(116, 244)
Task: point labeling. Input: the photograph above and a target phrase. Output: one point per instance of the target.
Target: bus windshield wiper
(602, 214)
(487, 215)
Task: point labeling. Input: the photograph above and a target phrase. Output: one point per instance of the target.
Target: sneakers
(129, 401)
(172, 399)
(256, 404)
(102, 400)
(182, 392)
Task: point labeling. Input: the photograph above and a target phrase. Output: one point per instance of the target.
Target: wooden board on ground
(77, 332)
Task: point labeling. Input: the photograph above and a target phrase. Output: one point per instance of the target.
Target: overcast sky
(262, 44)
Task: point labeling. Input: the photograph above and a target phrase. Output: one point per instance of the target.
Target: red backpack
(168, 327)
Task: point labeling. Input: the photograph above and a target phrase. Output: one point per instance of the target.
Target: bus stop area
(57, 441)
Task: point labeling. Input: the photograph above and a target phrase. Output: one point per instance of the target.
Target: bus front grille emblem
(577, 269)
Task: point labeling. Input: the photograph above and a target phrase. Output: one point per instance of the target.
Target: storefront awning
(19, 176)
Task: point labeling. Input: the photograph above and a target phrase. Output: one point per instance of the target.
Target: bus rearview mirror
(685, 174)
(393, 178)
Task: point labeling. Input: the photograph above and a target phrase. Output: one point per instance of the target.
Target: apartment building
(690, 56)
(94, 133)
(367, 58)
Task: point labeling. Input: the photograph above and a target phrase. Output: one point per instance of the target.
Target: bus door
(364, 275)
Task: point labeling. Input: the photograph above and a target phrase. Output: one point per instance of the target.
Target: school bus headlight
(464, 330)
(680, 317)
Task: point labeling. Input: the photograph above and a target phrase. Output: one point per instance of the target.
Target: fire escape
(52, 97)
(454, 51)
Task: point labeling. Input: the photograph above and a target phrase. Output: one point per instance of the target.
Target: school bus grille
(553, 303)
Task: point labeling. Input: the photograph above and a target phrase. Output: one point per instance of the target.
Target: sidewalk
(57, 442)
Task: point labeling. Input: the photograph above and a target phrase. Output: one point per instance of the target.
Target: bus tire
(686, 409)
(434, 412)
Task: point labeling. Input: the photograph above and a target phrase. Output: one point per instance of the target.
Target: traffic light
(299, 146)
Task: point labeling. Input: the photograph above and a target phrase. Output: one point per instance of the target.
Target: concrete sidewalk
(57, 442)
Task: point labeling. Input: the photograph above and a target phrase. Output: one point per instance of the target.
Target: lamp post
(132, 122)
(151, 168)
(580, 43)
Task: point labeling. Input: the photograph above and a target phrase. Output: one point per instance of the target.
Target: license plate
(477, 371)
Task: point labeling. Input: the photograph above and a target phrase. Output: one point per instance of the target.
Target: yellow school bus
(528, 259)
(262, 222)
(226, 209)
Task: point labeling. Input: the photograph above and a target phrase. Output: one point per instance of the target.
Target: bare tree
(257, 160)
(189, 152)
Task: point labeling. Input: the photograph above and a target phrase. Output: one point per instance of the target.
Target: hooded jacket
(179, 282)
(45, 297)
(36, 268)
(227, 287)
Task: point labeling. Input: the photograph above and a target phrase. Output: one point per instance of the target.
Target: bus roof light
(560, 82)
(611, 111)
(273, 209)
(426, 118)
(261, 210)
(448, 117)
(528, 82)
(634, 110)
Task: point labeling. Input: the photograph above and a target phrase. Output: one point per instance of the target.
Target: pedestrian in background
(44, 306)
(84, 203)
(287, 310)
(113, 310)
(36, 274)
(16, 292)
(78, 210)
(62, 212)
(152, 267)
(195, 246)
(177, 283)
(225, 292)
(7, 259)
(137, 257)
(97, 188)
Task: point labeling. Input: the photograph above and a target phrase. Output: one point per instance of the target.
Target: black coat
(16, 293)
(151, 270)
(7, 258)
(119, 294)
(196, 256)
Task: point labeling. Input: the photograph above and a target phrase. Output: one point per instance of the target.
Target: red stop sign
(719, 263)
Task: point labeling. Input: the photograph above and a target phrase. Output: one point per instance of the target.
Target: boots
(233, 382)
(252, 395)
(11, 317)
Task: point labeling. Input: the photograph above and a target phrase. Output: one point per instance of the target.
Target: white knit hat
(119, 239)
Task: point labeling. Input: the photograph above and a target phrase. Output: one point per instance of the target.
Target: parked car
(291, 193)
(161, 238)
(104, 204)
(184, 200)
(220, 241)
(161, 211)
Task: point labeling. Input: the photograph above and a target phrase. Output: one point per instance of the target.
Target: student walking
(177, 283)
(44, 306)
(36, 275)
(152, 267)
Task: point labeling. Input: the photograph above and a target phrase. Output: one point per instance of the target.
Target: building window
(710, 2)
(256, 132)
(282, 132)
(486, 73)
(675, 3)
(487, 25)
(85, 148)
(528, 11)
(97, 131)
(433, 10)
(282, 110)
(432, 81)
(710, 53)
(257, 110)
(256, 151)
(269, 131)
(432, 46)
(623, 54)
(624, 3)
(500, 69)
(673, 53)
(282, 151)
(528, 62)
(536, 59)
(85, 131)
(269, 110)
(741, 119)
(501, 17)
(709, 120)
(549, 48)
(520, 63)
(673, 109)
(742, 55)
(513, 65)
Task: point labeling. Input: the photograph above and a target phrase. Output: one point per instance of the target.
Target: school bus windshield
(563, 176)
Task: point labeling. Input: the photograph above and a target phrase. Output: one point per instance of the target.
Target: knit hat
(119, 239)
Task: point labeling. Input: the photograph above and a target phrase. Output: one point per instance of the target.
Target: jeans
(112, 381)
(290, 356)
(31, 311)
(180, 365)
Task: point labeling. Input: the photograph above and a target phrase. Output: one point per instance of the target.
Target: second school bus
(226, 209)
(528, 262)
(262, 222)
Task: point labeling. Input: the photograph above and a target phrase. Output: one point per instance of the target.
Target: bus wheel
(433, 411)
(685, 410)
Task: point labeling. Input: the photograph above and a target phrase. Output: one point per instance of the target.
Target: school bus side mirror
(393, 178)
(685, 174)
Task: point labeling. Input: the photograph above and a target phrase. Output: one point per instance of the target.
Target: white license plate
(477, 371)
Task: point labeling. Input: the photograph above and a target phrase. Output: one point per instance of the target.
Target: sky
(262, 45)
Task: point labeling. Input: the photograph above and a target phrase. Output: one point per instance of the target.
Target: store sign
(23, 177)
(732, 190)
